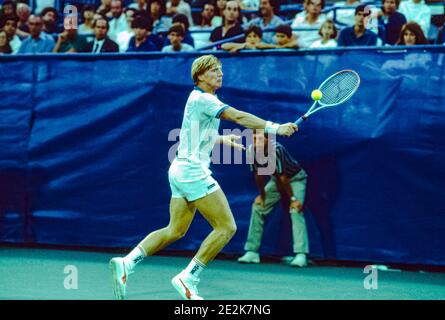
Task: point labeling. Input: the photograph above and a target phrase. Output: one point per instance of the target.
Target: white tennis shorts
(189, 182)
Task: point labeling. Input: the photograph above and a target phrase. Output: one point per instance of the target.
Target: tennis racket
(336, 89)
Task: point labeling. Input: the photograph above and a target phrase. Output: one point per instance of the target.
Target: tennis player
(192, 184)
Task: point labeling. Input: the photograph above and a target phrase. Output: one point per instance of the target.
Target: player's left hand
(296, 205)
(231, 139)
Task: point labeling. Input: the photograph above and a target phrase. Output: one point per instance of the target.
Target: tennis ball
(316, 95)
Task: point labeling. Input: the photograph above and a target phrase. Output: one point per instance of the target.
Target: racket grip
(299, 121)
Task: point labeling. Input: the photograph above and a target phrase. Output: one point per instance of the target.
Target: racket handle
(300, 120)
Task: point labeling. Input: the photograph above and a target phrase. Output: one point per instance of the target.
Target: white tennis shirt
(199, 132)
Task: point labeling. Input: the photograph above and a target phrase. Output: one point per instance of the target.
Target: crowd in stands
(232, 25)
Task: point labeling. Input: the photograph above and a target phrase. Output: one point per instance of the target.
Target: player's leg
(181, 215)
(299, 229)
(215, 209)
(256, 226)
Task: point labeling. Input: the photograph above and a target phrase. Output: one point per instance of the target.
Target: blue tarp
(84, 150)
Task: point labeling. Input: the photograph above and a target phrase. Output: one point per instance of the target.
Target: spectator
(268, 18)
(328, 33)
(10, 27)
(344, 16)
(4, 43)
(69, 40)
(8, 8)
(390, 21)
(102, 43)
(105, 8)
(37, 42)
(140, 5)
(161, 23)
(141, 42)
(310, 18)
(288, 184)
(417, 11)
(358, 35)
(254, 36)
(201, 39)
(284, 37)
(180, 6)
(182, 19)
(176, 35)
(123, 38)
(50, 18)
(412, 34)
(118, 23)
(231, 24)
(23, 12)
(217, 20)
(86, 28)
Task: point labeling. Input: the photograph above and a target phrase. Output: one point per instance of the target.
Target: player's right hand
(287, 129)
(259, 201)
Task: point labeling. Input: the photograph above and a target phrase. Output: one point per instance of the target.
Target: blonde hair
(202, 64)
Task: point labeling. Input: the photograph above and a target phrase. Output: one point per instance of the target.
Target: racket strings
(339, 88)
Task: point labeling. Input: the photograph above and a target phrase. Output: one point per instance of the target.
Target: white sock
(134, 257)
(194, 268)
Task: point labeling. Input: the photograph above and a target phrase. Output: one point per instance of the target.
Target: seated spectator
(182, 19)
(417, 11)
(5, 48)
(104, 8)
(141, 42)
(175, 7)
(231, 26)
(37, 42)
(176, 35)
(8, 8)
(219, 9)
(391, 21)
(9, 25)
(118, 23)
(87, 13)
(328, 33)
(102, 43)
(50, 18)
(268, 18)
(161, 23)
(310, 18)
(358, 35)
(412, 34)
(69, 40)
(140, 5)
(123, 37)
(284, 37)
(201, 39)
(253, 41)
(23, 12)
(344, 16)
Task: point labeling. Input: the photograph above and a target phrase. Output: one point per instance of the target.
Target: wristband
(271, 127)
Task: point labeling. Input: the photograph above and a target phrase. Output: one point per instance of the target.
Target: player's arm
(251, 121)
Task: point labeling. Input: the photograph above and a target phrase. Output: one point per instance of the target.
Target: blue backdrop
(84, 145)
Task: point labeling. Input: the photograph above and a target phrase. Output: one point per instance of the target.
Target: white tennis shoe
(186, 286)
(119, 274)
(300, 260)
(250, 257)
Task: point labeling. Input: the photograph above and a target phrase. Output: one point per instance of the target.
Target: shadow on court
(45, 274)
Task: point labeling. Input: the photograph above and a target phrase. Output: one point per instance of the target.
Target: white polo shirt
(199, 132)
